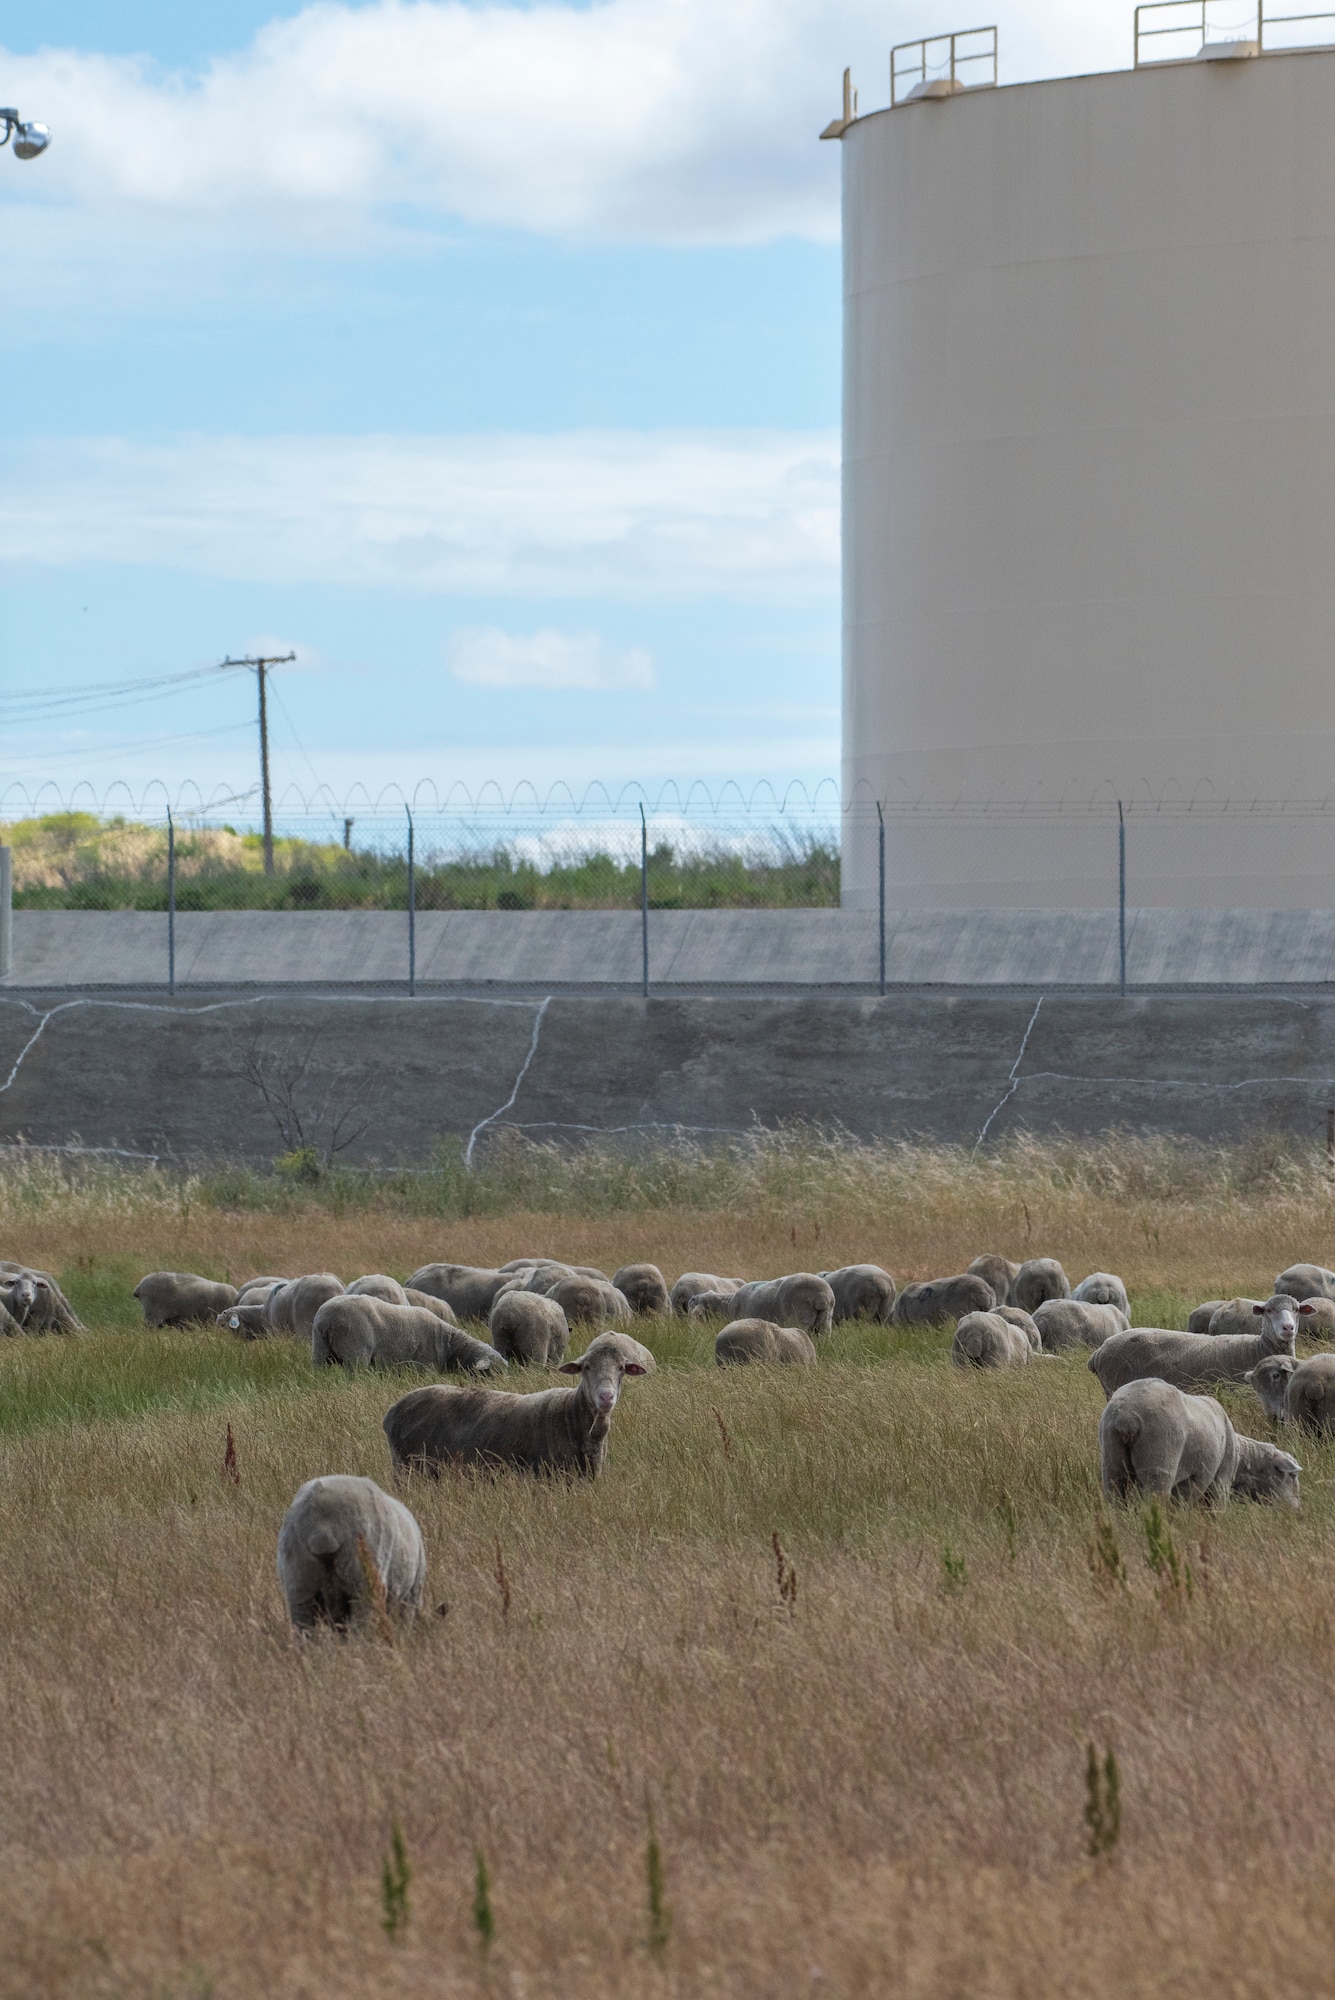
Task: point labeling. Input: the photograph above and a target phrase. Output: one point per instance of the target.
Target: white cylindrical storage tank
(1089, 479)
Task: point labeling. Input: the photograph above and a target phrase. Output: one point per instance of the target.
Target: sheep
(801, 1299)
(1198, 1319)
(1297, 1392)
(555, 1431)
(553, 1264)
(1264, 1472)
(245, 1319)
(1194, 1360)
(1066, 1323)
(711, 1305)
(939, 1299)
(1179, 1447)
(258, 1284)
(467, 1289)
(378, 1286)
(692, 1283)
(34, 1302)
(291, 1308)
(1102, 1288)
(997, 1271)
(179, 1298)
(644, 1287)
(524, 1326)
(1026, 1324)
(589, 1301)
(1307, 1281)
(429, 1304)
(1039, 1279)
(374, 1333)
(337, 1529)
(985, 1340)
(746, 1340)
(861, 1291)
(1232, 1316)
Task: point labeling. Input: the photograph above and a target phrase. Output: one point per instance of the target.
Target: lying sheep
(746, 1340)
(362, 1332)
(1297, 1392)
(179, 1298)
(589, 1301)
(1066, 1323)
(1194, 1360)
(555, 1431)
(291, 1308)
(1101, 1288)
(999, 1272)
(34, 1302)
(467, 1289)
(1036, 1281)
(691, 1284)
(1173, 1446)
(378, 1286)
(1307, 1281)
(525, 1327)
(801, 1299)
(334, 1530)
(861, 1291)
(644, 1288)
(986, 1340)
(939, 1299)
(1234, 1316)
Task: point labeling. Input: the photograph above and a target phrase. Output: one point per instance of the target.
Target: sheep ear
(1307, 1306)
(635, 1368)
(1248, 1376)
(572, 1368)
(1258, 1310)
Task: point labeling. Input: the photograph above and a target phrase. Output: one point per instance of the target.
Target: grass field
(874, 1784)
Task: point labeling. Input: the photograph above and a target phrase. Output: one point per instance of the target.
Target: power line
(101, 694)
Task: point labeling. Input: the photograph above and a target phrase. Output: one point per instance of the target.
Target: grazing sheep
(1102, 1288)
(937, 1300)
(999, 1272)
(692, 1283)
(555, 1431)
(428, 1304)
(1198, 1319)
(524, 1326)
(644, 1287)
(363, 1332)
(1307, 1281)
(467, 1289)
(553, 1264)
(1234, 1316)
(334, 1530)
(746, 1340)
(861, 1291)
(1194, 1360)
(258, 1285)
(589, 1301)
(1264, 1472)
(291, 1308)
(801, 1299)
(711, 1305)
(378, 1286)
(1036, 1281)
(1155, 1439)
(35, 1303)
(986, 1340)
(1026, 1324)
(1065, 1323)
(245, 1319)
(1297, 1392)
(179, 1298)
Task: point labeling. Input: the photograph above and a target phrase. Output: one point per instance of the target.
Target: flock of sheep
(344, 1542)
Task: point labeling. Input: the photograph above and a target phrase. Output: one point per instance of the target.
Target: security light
(29, 139)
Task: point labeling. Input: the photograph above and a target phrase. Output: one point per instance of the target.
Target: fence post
(1121, 894)
(171, 902)
(880, 856)
(412, 909)
(6, 911)
(644, 904)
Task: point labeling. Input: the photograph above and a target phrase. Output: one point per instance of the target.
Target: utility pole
(261, 663)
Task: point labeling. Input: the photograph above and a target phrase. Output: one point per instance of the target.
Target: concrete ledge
(553, 949)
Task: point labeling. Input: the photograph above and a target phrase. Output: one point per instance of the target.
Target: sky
(484, 355)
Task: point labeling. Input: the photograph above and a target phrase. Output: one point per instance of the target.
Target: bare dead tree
(319, 1108)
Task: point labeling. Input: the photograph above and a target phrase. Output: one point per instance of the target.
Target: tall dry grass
(875, 1784)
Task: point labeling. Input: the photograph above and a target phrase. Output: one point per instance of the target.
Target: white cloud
(665, 120)
(746, 514)
(489, 657)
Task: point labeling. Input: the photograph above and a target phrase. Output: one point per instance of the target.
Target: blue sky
(488, 355)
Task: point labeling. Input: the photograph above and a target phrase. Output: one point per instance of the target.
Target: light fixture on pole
(29, 138)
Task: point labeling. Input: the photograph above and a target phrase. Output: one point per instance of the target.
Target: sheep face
(1270, 1379)
(20, 1295)
(602, 1370)
(1279, 1322)
(1272, 1475)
